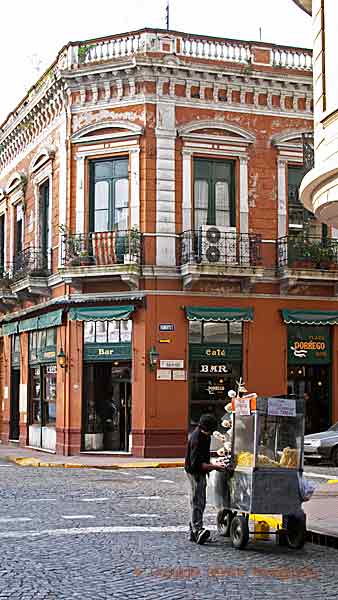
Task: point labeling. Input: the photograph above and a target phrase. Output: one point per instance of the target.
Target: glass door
(42, 413)
(14, 428)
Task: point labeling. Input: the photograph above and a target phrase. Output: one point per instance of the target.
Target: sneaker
(192, 534)
(202, 536)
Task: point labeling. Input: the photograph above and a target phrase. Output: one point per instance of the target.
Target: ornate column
(244, 194)
(135, 188)
(79, 194)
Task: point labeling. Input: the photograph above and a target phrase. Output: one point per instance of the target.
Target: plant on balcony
(300, 254)
(5, 281)
(132, 245)
(83, 52)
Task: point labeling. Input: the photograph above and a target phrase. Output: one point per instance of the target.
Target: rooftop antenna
(167, 15)
(260, 34)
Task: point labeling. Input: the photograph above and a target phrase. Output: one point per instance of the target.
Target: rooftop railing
(186, 45)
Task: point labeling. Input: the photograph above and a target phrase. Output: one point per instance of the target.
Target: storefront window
(107, 332)
(113, 332)
(195, 332)
(215, 364)
(50, 395)
(125, 331)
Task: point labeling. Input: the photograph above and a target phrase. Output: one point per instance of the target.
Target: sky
(32, 32)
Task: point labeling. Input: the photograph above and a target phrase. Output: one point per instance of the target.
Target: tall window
(44, 216)
(300, 219)
(214, 198)
(2, 244)
(19, 231)
(109, 195)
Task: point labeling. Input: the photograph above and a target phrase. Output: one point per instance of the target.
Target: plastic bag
(306, 488)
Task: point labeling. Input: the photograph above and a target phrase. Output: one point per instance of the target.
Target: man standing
(197, 466)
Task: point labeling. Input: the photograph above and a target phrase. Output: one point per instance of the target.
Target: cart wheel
(224, 518)
(295, 531)
(239, 532)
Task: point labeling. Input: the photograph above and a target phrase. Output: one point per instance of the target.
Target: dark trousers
(197, 488)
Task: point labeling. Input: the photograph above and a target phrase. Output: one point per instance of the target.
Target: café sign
(309, 345)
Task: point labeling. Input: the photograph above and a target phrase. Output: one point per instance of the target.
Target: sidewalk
(35, 458)
(321, 510)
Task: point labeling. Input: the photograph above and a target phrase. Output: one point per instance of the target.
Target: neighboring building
(153, 246)
(319, 189)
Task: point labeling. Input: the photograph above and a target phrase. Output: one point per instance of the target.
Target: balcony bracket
(132, 280)
(189, 279)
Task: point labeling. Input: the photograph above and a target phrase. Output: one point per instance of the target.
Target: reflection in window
(236, 332)
(201, 203)
(215, 333)
(113, 332)
(101, 332)
(126, 331)
(89, 332)
(195, 332)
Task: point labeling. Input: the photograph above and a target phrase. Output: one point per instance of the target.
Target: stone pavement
(321, 511)
(90, 534)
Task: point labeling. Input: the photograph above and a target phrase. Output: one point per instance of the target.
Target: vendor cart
(267, 449)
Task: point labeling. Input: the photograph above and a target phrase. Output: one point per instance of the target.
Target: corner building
(153, 246)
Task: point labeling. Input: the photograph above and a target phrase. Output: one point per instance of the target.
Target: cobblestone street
(94, 534)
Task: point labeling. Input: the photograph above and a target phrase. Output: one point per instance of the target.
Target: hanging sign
(242, 406)
(163, 374)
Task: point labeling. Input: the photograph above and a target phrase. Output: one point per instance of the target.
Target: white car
(322, 446)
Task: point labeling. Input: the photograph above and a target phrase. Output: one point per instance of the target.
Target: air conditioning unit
(217, 245)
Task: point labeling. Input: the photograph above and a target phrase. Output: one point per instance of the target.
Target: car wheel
(334, 456)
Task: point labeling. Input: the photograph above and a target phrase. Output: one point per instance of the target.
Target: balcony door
(44, 218)
(109, 195)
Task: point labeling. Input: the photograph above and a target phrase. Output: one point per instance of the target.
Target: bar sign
(167, 327)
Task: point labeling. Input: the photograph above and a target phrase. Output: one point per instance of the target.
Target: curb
(35, 462)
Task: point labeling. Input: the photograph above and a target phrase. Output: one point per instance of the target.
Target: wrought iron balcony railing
(210, 246)
(31, 262)
(305, 252)
(102, 248)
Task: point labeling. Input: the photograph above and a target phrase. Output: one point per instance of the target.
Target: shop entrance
(312, 383)
(42, 407)
(14, 427)
(107, 407)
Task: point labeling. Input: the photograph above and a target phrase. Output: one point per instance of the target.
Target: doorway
(312, 383)
(14, 425)
(42, 407)
(107, 407)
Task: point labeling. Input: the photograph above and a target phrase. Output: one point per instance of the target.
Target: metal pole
(167, 15)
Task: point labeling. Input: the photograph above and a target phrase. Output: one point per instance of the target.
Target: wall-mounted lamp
(62, 359)
(153, 358)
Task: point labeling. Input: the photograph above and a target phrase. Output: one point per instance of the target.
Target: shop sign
(171, 364)
(210, 368)
(163, 374)
(215, 389)
(242, 406)
(281, 407)
(107, 352)
(51, 370)
(179, 375)
(215, 353)
(309, 345)
(166, 327)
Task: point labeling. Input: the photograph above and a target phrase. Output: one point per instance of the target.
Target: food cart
(267, 449)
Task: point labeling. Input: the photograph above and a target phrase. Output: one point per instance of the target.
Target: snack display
(289, 458)
(245, 459)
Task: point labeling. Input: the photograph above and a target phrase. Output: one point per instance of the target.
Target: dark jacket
(198, 452)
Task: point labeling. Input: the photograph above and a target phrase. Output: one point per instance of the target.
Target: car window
(334, 427)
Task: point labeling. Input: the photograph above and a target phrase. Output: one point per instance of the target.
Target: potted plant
(132, 246)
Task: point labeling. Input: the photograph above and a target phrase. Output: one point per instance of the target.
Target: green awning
(51, 319)
(204, 313)
(100, 313)
(28, 324)
(10, 328)
(310, 317)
